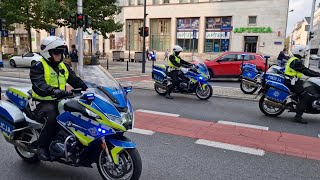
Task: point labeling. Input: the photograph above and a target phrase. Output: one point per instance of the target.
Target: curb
(213, 95)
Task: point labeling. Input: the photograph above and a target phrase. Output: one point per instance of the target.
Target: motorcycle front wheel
(205, 93)
(129, 168)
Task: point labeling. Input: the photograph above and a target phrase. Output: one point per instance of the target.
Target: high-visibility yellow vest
(53, 79)
(176, 59)
(291, 72)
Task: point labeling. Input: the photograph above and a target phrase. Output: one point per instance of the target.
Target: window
(135, 40)
(216, 45)
(186, 27)
(112, 41)
(131, 2)
(140, 2)
(156, 1)
(184, 1)
(28, 55)
(246, 58)
(166, 1)
(160, 37)
(252, 20)
(194, 1)
(228, 57)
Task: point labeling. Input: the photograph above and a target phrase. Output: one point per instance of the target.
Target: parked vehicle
(25, 60)
(228, 64)
(252, 79)
(198, 76)
(91, 129)
(314, 57)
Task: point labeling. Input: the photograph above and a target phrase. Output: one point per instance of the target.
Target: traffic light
(73, 21)
(80, 20)
(87, 21)
(146, 31)
(311, 35)
(141, 31)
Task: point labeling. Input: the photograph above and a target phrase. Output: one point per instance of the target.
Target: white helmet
(51, 45)
(299, 51)
(177, 48)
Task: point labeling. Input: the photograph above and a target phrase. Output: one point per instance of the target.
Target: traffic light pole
(307, 59)
(144, 37)
(80, 36)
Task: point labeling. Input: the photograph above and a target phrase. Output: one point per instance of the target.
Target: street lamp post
(144, 37)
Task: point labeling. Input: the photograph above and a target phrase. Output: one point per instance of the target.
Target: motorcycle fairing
(276, 91)
(275, 77)
(17, 97)
(10, 116)
(119, 145)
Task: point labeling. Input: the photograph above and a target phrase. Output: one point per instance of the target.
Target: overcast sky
(302, 8)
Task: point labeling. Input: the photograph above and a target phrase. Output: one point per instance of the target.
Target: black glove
(59, 94)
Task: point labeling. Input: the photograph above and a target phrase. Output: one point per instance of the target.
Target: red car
(228, 63)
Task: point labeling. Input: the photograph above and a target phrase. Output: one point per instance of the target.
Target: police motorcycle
(251, 79)
(276, 96)
(91, 128)
(198, 76)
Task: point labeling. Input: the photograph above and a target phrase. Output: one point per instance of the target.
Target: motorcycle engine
(57, 148)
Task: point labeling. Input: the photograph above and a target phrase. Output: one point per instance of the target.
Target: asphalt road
(216, 109)
(167, 157)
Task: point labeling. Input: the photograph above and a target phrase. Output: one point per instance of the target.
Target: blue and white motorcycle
(91, 128)
(198, 76)
(252, 79)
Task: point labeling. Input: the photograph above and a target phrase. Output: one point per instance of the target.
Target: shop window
(184, 1)
(216, 40)
(186, 27)
(194, 1)
(216, 45)
(140, 2)
(166, 1)
(160, 38)
(131, 2)
(112, 41)
(252, 20)
(187, 44)
(135, 40)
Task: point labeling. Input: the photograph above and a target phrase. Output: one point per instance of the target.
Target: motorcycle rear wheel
(266, 109)
(160, 90)
(29, 136)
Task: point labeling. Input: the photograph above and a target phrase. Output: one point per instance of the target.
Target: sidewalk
(133, 78)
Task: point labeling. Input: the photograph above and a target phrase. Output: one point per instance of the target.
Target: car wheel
(33, 62)
(12, 63)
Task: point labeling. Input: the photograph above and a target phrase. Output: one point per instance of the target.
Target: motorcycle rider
(175, 63)
(49, 78)
(294, 69)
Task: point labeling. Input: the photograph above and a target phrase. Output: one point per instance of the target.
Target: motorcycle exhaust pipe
(249, 83)
(273, 104)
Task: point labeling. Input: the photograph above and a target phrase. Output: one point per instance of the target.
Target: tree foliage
(44, 14)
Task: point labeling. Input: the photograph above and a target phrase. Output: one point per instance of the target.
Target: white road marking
(141, 131)
(319, 135)
(231, 147)
(244, 125)
(159, 113)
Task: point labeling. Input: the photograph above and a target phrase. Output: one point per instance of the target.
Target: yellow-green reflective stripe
(85, 140)
(115, 154)
(18, 92)
(104, 119)
(5, 135)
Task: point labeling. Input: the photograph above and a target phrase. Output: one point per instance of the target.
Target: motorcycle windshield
(200, 65)
(103, 84)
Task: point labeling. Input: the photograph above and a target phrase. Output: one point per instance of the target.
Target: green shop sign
(253, 30)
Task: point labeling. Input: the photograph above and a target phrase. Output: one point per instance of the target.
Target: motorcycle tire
(207, 96)
(264, 111)
(160, 90)
(246, 90)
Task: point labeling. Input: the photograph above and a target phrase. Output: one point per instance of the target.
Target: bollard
(127, 65)
(107, 63)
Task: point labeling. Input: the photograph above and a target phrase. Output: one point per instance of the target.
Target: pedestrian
(74, 58)
(147, 53)
(166, 55)
(282, 58)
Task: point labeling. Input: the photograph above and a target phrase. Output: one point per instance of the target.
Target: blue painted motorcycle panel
(105, 107)
(5, 127)
(88, 127)
(19, 101)
(5, 114)
(277, 91)
(119, 95)
(275, 78)
(123, 144)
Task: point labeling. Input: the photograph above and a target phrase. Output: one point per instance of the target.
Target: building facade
(257, 26)
(299, 34)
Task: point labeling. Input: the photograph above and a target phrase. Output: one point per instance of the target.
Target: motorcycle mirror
(127, 89)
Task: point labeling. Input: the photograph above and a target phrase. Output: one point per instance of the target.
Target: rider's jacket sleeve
(298, 66)
(39, 84)
(74, 80)
(182, 63)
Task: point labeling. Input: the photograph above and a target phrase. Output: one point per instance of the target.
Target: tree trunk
(29, 38)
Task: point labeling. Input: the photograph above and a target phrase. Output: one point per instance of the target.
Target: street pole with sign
(307, 59)
(144, 37)
(80, 36)
(194, 34)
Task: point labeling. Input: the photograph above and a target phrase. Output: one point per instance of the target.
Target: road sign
(226, 28)
(52, 32)
(4, 33)
(194, 34)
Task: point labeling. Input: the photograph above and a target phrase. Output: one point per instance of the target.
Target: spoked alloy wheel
(27, 137)
(268, 109)
(129, 167)
(160, 90)
(205, 93)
